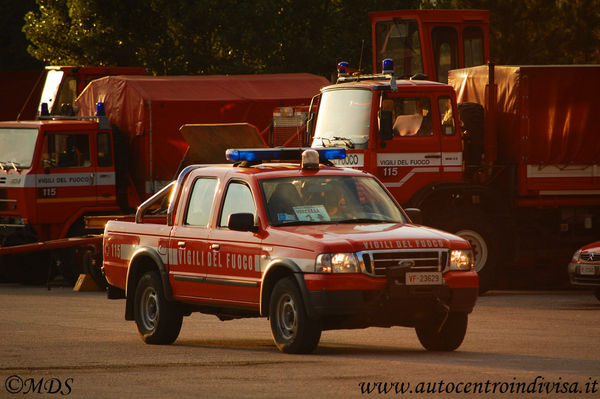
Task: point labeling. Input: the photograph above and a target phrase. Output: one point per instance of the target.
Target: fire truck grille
(380, 263)
(590, 256)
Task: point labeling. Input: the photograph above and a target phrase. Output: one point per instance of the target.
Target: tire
(597, 293)
(293, 331)
(446, 339)
(158, 320)
(475, 227)
(92, 265)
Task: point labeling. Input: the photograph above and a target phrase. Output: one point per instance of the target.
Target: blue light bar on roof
(281, 154)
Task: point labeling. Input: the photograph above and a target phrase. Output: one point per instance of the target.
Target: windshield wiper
(347, 141)
(328, 141)
(323, 144)
(9, 163)
(365, 220)
(302, 222)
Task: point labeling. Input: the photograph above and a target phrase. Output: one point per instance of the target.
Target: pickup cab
(308, 245)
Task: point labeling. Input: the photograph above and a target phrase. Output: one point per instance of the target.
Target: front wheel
(158, 320)
(479, 231)
(293, 331)
(448, 337)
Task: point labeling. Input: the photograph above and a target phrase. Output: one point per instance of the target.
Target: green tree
(13, 45)
(209, 36)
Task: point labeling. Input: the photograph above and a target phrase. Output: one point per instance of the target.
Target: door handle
(216, 247)
(432, 156)
(181, 244)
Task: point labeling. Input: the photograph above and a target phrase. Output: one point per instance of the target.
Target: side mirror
(386, 124)
(242, 222)
(415, 215)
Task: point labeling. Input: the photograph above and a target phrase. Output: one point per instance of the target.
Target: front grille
(381, 263)
(590, 256)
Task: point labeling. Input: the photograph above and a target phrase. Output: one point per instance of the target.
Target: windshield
(53, 80)
(16, 147)
(399, 40)
(344, 119)
(328, 199)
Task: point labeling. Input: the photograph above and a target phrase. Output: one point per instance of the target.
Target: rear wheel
(448, 337)
(293, 331)
(158, 320)
(597, 293)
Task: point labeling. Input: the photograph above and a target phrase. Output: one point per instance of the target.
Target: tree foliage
(269, 36)
(12, 42)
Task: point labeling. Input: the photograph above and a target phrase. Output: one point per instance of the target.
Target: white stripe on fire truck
(127, 251)
(411, 174)
(59, 180)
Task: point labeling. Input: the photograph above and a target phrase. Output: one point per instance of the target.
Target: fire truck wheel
(448, 337)
(293, 331)
(92, 264)
(597, 293)
(158, 320)
(476, 228)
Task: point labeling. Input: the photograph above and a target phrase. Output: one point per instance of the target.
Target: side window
(446, 116)
(473, 46)
(412, 116)
(238, 199)
(201, 200)
(66, 150)
(445, 49)
(105, 157)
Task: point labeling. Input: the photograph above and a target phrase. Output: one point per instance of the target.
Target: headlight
(575, 257)
(461, 259)
(337, 263)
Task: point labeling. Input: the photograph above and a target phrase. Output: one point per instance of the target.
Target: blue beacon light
(388, 66)
(342, 69)
(100, 109)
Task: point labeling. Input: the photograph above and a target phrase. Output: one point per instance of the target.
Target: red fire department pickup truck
(309, 245)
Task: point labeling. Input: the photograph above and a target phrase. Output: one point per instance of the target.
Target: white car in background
(584, 269)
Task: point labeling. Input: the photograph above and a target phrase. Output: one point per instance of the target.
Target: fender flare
(275, 270)
(142, 260)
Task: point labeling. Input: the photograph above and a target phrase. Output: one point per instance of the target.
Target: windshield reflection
(344, 119)
(17, 147)
(318, 200)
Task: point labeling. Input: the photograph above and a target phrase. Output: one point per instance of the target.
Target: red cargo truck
(55, 172)
(505, 157)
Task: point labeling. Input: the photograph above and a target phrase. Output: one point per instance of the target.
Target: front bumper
(390, 304)
(584, 275)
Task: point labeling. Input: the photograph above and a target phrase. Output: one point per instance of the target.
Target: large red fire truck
(56, 171)
(517, 174)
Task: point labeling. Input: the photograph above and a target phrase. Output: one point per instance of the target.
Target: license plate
(587, 270)
(423, 278)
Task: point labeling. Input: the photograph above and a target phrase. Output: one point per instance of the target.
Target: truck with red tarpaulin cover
(57, 171)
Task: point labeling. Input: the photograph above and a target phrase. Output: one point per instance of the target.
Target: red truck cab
(310, 246)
